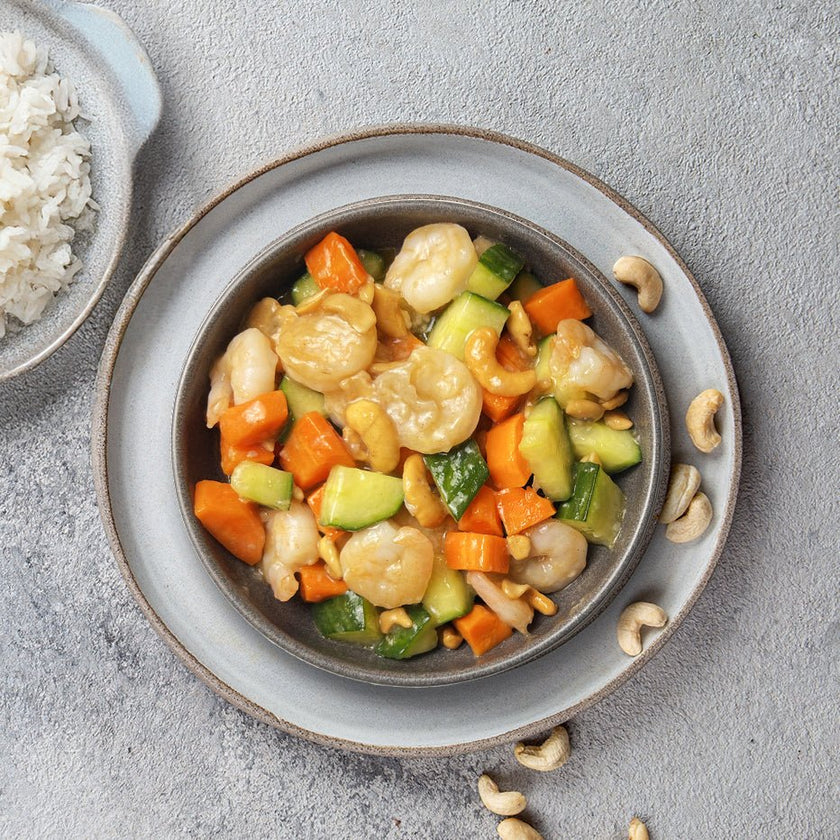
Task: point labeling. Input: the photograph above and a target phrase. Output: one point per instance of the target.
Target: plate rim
(99, 440)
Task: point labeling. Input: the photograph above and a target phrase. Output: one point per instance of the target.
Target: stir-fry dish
(421, 450)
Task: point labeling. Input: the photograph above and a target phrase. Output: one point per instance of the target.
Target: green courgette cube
(448, 595)
(262, 484)
(617, 449)
(354, 498)
(524, 286)
(405, 642)
(596, 507)
(348, 618)
(458, 474)
(466, 313)
(373, 262)
(494, 272)
(546, 448)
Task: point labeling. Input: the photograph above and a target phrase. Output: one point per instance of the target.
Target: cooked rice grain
(45, 194)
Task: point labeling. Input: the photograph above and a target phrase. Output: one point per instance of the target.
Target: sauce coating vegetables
(420, 410)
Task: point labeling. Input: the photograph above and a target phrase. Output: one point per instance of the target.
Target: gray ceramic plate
(136, 389)
(118, 91)
(384, 222)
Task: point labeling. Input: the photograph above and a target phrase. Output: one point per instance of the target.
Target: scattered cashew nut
(693, 522)
(615, 402)
(700, 419)
(480, 358)
(584, 410)
(617, 420)
(427, 508)
(377, 432)
(639, 273)
(328, 552)
(450, 638)
(520, 328)
(553, 753)
(514, 829)
(519, 546)
(398, 617)
(638, 830)
(505, 803)
(684, 484)
(390, 318)
(630, 623)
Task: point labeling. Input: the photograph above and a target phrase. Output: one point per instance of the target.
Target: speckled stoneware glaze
(141, 369)
(119, 94)
(380, 223)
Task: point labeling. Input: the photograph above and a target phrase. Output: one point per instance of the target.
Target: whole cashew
(514, 829)
(630, 623)
(553, 753)
(398, 617)
(684, 484)
(617, 420)
(638, 830)
(328, 552)
(519, 546)
(390, 318)
(639, 273)
(450, 638)
(616, 402)
(480, 358)
(358, 314)
(520, 328)
(693, 522)
(420, 501)
(700, 419)
(584, 410)
(376, 429)
(505, 803)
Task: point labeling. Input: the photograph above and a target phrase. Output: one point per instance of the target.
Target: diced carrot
(507, 466)
(334, 264)
(476, 552)
(510, 357)
(482, 515)
(255, 421)
(522, 507)
(233, 455)
(236, 524)
(317, 585)
(482, 629)
(547, 307)
(312, 449)
(315, 500)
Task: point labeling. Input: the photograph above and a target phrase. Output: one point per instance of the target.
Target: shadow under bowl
(384, 223)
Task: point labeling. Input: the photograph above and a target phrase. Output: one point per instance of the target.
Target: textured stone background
(720, 122)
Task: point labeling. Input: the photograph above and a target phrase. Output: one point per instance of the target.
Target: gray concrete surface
(719, 121)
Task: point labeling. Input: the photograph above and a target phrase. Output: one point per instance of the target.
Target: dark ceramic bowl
(381, 223)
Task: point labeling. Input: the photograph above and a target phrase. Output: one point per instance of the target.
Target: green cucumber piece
(304, 288)
(262, 484)
(616, 449)
(596, 507)
(524, 286)
(355, 498)
(448, 596)
(466, 313)
(546, 448)
(495, 270)
(374, 264)
(459, 474)
(348, 618)
(405, 642)
(541, 366)
(301, 399)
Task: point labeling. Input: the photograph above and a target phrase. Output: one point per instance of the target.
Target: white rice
(45, 193)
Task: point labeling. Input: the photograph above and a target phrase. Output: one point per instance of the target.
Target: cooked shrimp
(245, 370)
(322, 347)
(433, 266)
(389, 566)
(432, 398)
(582, 364)
(291, 542)
(558, 556)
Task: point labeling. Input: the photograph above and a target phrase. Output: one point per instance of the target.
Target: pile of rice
(44, 181)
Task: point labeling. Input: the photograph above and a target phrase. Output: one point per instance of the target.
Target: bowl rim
(653, 489)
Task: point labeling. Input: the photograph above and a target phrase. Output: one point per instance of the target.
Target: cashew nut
(616, 402)
(693, 522)
(376, 429)
(398, 617)
(505, 803)
(313, 302)
(684, 484)
(520, 328)
(391, 320)
(519, 546)
(450, 638)
(366, 293)
(514, 829)
(358, 314)
(584, 410)
(533, 597)
(420, 501)
(630, 623)
(328, 552)
(480, 358)
(269, 317)
(554, 752)
(617, 420)
(639, 273)
(482, 243)
(700, 419)
(638, 830)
